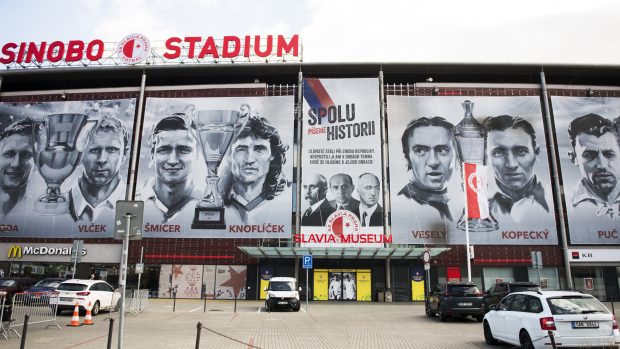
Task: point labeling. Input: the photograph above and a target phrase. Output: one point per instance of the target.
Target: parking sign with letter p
(307, 261)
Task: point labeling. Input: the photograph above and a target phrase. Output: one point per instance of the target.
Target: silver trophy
(471, 144)
(58, 159)
(216, 131)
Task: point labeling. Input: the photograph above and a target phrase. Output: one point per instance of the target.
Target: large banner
(587, 133)
(341, 164)
(63, 166)
(217, 167)
(426, 186)
(198, 281)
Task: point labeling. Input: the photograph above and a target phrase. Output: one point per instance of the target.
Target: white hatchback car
(576, 320)
(98, 293)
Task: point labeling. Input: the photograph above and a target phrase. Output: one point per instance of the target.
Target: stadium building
(247, 158)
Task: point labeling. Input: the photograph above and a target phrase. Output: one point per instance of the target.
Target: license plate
(585, 324)
(465, 304)
(282, 302)
(65, 299)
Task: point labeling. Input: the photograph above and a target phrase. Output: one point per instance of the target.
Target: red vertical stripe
(473, 210)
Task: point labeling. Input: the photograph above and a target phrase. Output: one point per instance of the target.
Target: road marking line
(193, 310)
(259, 309)
(304, 310)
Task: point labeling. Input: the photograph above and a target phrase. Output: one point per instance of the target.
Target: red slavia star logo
(342, 223)
(177, 270)
(236, 281)
(134, 48)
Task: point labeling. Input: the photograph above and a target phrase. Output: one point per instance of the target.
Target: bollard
(174, 300)
(204, 307)
(24, 331)
(110, 330)
(198, 328)
(613, 311)
(552, 339)
(235, 304)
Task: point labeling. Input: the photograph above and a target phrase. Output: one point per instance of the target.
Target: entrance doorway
(342, 286)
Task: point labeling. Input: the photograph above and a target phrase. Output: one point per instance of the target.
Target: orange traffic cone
(75, 320)
(88, 320)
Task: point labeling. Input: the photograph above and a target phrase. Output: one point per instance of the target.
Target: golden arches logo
(15, 252)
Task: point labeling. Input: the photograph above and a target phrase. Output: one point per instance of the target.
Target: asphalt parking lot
(325, 325)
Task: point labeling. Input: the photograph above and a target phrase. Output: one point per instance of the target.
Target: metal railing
(4, 309)
(37, 305)
(136, 301)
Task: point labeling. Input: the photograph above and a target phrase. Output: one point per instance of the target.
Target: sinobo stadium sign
(137, 49)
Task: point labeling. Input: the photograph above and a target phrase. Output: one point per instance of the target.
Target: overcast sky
(524, 31)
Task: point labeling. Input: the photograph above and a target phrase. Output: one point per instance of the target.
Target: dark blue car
(43, 287)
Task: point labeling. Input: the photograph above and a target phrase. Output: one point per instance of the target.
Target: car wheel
(488, 335)
(525, 340)
(296, 308)
(95, 309)
(442, 316)
(267, 307)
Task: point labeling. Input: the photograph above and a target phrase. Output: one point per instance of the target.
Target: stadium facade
(247, 158)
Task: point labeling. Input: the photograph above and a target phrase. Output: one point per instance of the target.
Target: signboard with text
(341, 164)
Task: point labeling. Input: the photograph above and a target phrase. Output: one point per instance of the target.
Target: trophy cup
(471, 144)
(58, 159)
(216, 131)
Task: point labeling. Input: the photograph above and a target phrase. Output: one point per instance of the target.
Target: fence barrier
(37, 305)
(5, 315)
(136, 301)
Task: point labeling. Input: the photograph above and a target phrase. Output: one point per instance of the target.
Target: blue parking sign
(307, 261)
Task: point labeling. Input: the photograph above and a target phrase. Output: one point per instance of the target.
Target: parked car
(8, 288)
(15, 285)
(43, 287)
(500, 290)
(576, 320)
(98, 293)
(455, 299)
(281, 293)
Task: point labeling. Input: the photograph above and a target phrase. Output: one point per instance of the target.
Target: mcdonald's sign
(15, 252)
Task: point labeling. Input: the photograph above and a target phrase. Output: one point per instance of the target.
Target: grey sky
(525, 31)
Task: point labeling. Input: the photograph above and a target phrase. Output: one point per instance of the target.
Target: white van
(282, 293)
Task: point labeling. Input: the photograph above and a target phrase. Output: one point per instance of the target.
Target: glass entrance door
(342, 286)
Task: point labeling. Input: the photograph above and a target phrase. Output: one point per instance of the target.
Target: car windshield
(281, 286)
(48, 283)
(576, 305)
(71, 287)
(521, 288)
(7, 283)
(463, 289)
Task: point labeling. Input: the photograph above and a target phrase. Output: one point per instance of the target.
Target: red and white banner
(476, 190)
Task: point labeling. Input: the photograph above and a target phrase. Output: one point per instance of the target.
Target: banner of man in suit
(342, 196)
